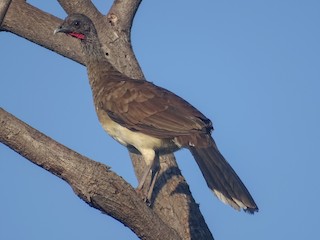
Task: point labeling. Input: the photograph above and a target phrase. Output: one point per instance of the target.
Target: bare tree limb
(37, 26)
(173, 202)
(84, 6)
(125, 12)
(4, 5)
(93, 182)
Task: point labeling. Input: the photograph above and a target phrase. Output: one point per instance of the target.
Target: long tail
(222, 179)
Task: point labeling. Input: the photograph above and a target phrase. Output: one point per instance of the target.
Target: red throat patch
(77, 35)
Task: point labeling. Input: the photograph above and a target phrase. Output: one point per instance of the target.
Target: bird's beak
(68, 32)
(60, 29)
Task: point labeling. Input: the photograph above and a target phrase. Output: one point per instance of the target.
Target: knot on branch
(113, 19)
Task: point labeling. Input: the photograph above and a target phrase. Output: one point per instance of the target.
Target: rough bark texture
(4, 5)
(178, 211)
(91, 181)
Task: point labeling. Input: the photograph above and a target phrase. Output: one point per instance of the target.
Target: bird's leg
(144, 177)
(155, 172)
(152, 161)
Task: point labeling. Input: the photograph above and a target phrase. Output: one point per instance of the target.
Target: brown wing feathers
(155, 111)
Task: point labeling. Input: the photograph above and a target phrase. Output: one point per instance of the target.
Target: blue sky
(252, 67)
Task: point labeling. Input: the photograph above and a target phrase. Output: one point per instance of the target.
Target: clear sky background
(252, 67)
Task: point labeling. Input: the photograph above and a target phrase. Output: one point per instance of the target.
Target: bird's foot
(144, 196)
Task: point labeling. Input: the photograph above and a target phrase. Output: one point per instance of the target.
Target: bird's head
(77, 25)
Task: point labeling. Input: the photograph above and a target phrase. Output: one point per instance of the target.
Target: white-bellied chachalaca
(152, 120)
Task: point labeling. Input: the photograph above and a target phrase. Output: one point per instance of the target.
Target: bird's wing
(144, 107)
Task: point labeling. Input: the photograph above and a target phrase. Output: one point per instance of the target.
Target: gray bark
(177, 215)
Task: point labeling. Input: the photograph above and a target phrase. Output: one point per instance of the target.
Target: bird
(153, 121)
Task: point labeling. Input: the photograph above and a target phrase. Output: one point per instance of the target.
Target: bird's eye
(76, 23)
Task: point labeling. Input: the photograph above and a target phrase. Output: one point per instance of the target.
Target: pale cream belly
(142, 142)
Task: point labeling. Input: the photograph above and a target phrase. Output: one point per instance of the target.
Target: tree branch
(93, 182)
(124, 12)
(114, 33)
(37, 26)
(4, 5)
(84, 6)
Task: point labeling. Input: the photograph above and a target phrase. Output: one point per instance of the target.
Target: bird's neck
(100, 70)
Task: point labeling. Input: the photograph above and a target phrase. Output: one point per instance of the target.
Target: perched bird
(152, 120)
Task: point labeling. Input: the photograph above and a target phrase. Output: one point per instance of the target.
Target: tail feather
(222, 179)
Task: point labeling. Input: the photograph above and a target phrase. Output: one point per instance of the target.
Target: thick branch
(37, 26)
(4, 5)
(33, 24)
(93, 182)
(81, 6)
(125, 11)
